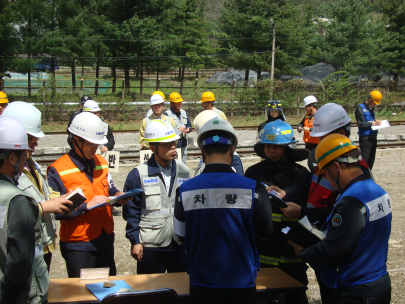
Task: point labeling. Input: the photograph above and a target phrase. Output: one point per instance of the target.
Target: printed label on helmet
(271, 137)
(215, 122)
(286, 132)
(99, 133)
(151, 181)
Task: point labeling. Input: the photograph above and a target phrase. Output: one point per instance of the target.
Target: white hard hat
(160, 131)
(156, 99)
(202, 118)
(89, 127)
(28, 115)
(12, 135)
(328, 118)
(91, 106)
(309, 99)
(217, 124)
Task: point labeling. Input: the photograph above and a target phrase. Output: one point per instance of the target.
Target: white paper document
(384, 124)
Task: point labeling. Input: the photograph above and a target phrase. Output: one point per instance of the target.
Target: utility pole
(273, 53)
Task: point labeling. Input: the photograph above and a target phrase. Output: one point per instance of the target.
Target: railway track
(243, 151)
(392, 123)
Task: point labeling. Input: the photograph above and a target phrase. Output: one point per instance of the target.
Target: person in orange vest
(86, 234)
(306, 125)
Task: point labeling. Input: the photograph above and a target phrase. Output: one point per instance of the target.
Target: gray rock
(391, 138)
(228, 77)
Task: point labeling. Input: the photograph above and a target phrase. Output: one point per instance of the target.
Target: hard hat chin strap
(336, 179)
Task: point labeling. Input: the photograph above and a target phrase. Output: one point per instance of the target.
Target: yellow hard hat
(160, 93)
(3, 97)
(207, 97)
(376, 96)
(330, 148)
(175, 97)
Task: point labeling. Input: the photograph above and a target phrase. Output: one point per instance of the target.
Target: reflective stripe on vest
(277, 217)
(89, 225)
(276, 261)
(308, 122)
(324, 182)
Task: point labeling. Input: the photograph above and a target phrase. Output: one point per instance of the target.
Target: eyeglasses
(169, 144)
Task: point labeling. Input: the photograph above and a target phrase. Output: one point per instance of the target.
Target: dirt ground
(389, 172)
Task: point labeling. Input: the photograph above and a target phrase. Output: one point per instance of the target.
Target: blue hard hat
(277, 132)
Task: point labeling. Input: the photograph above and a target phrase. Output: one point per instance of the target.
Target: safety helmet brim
(298, 153)
(78, 134)
(40, 134)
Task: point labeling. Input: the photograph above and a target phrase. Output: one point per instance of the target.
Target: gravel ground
(389, 172)
(245, 137)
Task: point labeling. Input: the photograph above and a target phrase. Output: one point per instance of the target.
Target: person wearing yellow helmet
(352, 257)
(181, 121)
(365, 117)
(3, 101)
(207, 100)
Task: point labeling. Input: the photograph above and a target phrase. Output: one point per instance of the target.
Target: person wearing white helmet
(219, 215)
(92, 107)
(24, 278)
(83, 99)
(157, 106)
(199, 122)
(149, 216)
(86, 235)
(33, 180)
(306, 125)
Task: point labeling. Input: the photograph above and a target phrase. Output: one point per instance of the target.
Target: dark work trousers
(326, 293)
(48, 259)
(296, 270)
(160, 261)
(207, 295)
(311, 160)
(76, 260)
(363, 294)
(368, 147)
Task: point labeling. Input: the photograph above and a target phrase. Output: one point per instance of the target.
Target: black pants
(326, 293)
(311, 160)
(48, 259)
(76, 260)
(368, 147)
(377, 292)
(202, 295)
(160, 261)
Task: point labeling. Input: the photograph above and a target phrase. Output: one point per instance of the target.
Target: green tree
(394, 16)
(353, 41)
(247, 26)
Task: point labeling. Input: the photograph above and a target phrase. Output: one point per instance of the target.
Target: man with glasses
(149, 215)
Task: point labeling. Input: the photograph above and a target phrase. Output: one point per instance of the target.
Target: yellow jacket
(145, 122)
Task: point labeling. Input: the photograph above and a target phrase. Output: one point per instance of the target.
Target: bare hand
(143, 148)
(122, 202)
(279, 190)
(137, 252)
(293, 211)
(57, 205)
(97, 199)
(377, 123)
(297, 248)
(306, 129)
(188, 130)
(182, 129)
(299, 129)
(103, 149)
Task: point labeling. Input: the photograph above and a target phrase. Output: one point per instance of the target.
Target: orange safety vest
(85, 227)
(308, 122)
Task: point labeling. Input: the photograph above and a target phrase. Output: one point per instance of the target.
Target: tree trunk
(259, 73)
(1, 80)
(97, 76)
(83, 69)
(246, 77)
(29, 78)
(126, 73)
(196, 74)
(53, 83)
(141, 79)
(182, 79)
(179, 71)
(73, 67)
(137, 72)
(114, 77)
